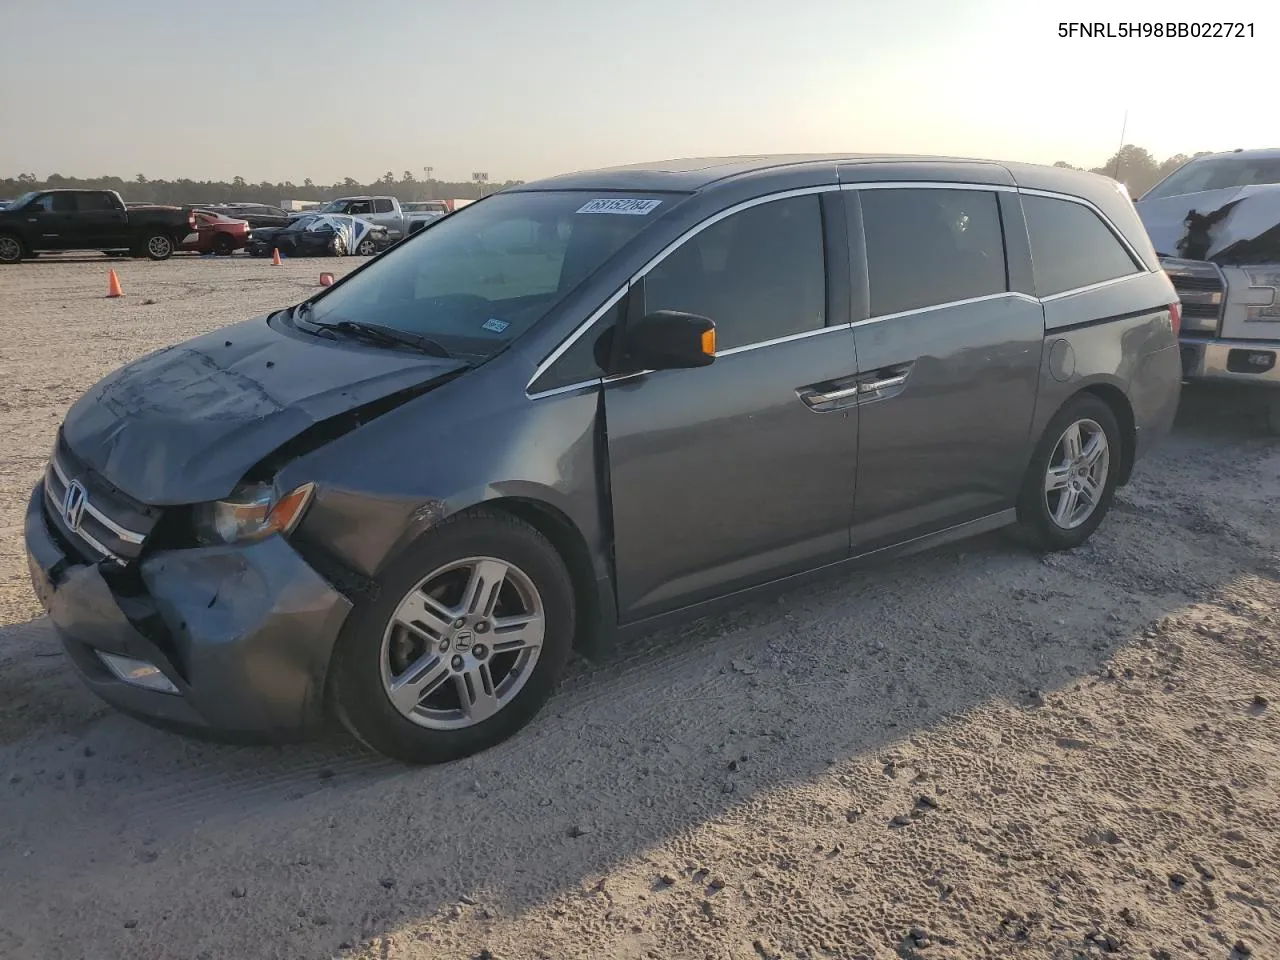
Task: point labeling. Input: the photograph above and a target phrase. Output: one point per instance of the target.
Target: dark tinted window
(580, 362)
(758, 274)
(95, 202)
(358, 207)
(1071, 247)
(382, 205)
(929, 247)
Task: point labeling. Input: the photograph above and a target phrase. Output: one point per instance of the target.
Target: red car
(216, 233)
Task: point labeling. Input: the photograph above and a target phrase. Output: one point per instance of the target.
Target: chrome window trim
(128, 536)
(1014, 294)
(1140, 269)
(1140, 265)
(929, 185)
(1093, 286)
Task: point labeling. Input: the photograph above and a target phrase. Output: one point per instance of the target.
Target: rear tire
(1071, 480)
(338, 246)
(377, 653)
(12, 249)
(224, 245)
(158, 246)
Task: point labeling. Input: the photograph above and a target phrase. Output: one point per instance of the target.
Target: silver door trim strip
(1012, 294)
(1093, 286)
(802, 335)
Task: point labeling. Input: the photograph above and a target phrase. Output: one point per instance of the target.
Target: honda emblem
(74, 503)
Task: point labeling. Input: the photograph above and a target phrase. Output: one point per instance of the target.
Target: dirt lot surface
(977, 752)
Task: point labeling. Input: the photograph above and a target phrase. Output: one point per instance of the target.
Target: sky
(289, 89)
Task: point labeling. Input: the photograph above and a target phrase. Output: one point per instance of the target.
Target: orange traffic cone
(275, 257)
(113, 285)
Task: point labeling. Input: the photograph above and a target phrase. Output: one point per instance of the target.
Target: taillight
(1175, 317)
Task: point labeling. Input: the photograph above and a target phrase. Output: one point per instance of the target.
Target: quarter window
(929, 247)
(758, 274)
(1071, 247)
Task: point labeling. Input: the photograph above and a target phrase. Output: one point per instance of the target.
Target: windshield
(333, 206)
(1217, 173)
(303, 223)
(478, 279)
(22, 200)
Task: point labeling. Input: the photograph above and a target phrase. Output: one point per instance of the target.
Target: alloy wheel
(10, 250)
(159, 246)
(462, 643)
(1077, 474)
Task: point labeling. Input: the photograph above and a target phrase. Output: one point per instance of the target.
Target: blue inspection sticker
(494, 325)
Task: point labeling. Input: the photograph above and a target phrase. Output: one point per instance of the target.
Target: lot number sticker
(624, 205)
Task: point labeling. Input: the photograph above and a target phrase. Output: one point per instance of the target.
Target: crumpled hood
(1229, 226)
(184, 424)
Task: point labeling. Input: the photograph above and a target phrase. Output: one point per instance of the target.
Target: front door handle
(861, 388)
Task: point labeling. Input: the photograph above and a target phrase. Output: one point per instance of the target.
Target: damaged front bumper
(241, 635)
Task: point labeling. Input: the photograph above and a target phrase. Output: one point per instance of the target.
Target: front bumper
(244, 633)
(1235, 361)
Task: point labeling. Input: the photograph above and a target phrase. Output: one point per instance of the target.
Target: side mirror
(669, 340)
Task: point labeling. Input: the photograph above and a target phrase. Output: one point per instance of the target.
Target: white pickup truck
(1215, 222)
(384, 211)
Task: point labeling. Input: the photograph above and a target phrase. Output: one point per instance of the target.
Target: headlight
(251, 513)
(1262, 299)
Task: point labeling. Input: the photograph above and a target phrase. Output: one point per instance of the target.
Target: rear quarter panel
(1114, 337)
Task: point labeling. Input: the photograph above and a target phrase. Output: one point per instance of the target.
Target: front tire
(367, 247)
(158, 246)
(1072, 477)
(11, 248)
(465, 642)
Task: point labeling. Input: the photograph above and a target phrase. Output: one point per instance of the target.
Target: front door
(729, 475)
(51, 221)
(949, 363)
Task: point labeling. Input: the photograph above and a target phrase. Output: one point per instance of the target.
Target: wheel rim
(1077, 474)
(10, 249)
(462, 643)
(366, 248)
(159, 246)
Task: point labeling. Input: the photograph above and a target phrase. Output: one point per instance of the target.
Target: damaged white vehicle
(1215, 222)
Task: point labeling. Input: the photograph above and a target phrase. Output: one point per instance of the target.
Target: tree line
(195, 192)
(1133, 166)
(1136, 168)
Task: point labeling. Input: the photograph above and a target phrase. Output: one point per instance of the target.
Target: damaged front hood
(1230, 226)
(184, 424)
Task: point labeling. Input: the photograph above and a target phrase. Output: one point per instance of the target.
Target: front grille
(1202, 297)
(101, 522)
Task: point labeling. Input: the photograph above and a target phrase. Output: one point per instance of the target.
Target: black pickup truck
(90, 220)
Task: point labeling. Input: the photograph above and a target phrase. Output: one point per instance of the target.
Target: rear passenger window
(759, 274)
(930, 247)
(381, 205)
(1071, 247)
(94, 202)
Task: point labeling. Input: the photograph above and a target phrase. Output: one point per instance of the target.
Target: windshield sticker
(624, 205)
(495, 325)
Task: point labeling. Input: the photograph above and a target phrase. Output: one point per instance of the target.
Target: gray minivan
(581, 407)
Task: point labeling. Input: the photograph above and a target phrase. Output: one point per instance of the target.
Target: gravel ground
(976, 752)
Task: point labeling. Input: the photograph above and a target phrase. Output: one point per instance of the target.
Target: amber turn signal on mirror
(709, 342)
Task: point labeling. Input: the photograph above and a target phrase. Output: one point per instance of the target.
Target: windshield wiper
(377, 333)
